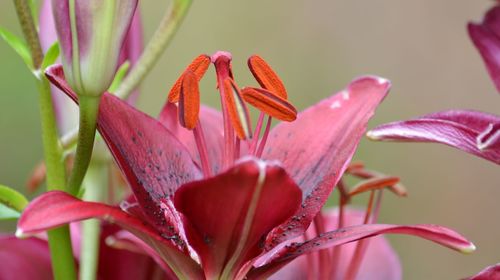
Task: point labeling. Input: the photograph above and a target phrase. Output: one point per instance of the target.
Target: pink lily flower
(210, 199)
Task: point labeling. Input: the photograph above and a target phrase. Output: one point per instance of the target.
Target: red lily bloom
(204, 201)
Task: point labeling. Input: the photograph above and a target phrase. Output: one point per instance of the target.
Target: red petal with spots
(473, 132)
(153, 161)
(380, 261)
(317, 147)
(211, 123)
(438, 234)
(24, 259)
(489, 273)
(486, 38)
(234, 212)
(56, 208)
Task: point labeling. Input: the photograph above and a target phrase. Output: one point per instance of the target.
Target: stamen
(266, 76)
(238, 112)
(198, 66)
(397, 188)
(357, 256)
(373, 184)
(256, 133)
(324, 254)
(201, 144)
(264, 138)
(270, 103)
(337, 250)
(189, 101)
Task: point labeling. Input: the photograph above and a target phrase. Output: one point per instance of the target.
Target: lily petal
(470, 131)
(56, 208)
(25, 259)
(438, 234)
(486, 38)
(234, 211)
(489, 273)
(380, 261)
(317, 147)
(153, 161)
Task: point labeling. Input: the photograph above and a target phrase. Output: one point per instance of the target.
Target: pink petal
(486, 38)
(470, 131)
(153, 161)
(56, 208)
(211, 123)
(380, 261)
(316, 148)
(435, 233)
(234, 211)
(24, 259)
(489, 273)
(126, 265)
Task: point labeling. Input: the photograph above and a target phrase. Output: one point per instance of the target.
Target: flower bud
(91, 34)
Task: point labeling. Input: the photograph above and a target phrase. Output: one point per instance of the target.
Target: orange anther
(189, 100)
(374, 184)
(266, 76)
(269, 103)
(198, 66)
(237, 110)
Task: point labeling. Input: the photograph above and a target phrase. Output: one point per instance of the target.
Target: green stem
(89, 108)
(95, 190)
(61, 253)
(160, 40)
(29, 30)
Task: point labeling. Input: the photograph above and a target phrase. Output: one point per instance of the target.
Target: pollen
(270, 103)
(189, 100)
(266, 76)
(238, 112)
(198, 66)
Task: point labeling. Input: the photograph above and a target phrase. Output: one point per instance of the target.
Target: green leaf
(12, 199)
(7, 213)
(51, 56)
(18, 45)
(35, 10)
(120, 74)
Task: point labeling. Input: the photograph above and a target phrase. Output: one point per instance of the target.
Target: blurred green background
(317, 47)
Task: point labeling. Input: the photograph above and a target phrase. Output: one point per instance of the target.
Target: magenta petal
(438, 234)
(486, 38)
(470, 131)
(153, 161)
(56, 208)
(316, 148)
(24, 259)
(380, 261)
(489, 273)
(211, 123)
(228, 215)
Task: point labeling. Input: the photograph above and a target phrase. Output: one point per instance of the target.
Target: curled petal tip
(468, 249)
(20, 234)
(373, 135)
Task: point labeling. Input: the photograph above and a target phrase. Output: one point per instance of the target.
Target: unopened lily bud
(91, 34)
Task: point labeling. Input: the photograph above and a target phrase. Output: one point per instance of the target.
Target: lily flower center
(240, 139)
